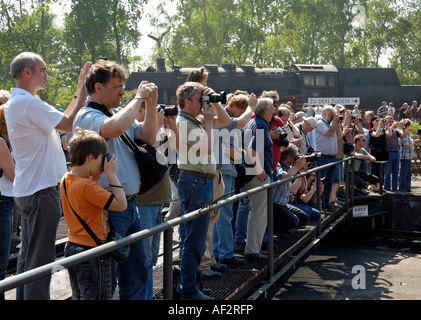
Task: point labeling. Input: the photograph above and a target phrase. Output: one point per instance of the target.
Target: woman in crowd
(407, 154)
(7, 176)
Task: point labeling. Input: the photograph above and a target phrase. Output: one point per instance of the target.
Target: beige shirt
(189, 156)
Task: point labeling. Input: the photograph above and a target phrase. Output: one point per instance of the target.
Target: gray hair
(262, 105)
(22, 61)
(4, 94)
(186, 91)
(327, 109)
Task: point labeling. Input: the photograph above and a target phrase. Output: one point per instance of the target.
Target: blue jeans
(405, 176)
(90, 280)
(194, 193)
(151, 216)
(242, 218)
(132, 275)
(6, 218)
(329, 173)
(312, 213)
(392, 171)
(223, 237)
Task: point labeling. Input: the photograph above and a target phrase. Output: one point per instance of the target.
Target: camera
(215, 98)
(108, 157)
(313, 157)
(169, 110)
(282, 141)
(419, 132)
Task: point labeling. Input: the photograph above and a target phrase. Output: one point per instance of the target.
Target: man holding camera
(392, 165)
(197, 166)
(286, 216)
(305, 127)
(326, 137)
(105, 85)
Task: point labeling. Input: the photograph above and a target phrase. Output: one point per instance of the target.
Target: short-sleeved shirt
(281, 192)
(128, 172)
(40, 161)
(229, 138)
(192, 135)
(256, 136)
(89, 200)
(406, 153)
(357, 163)
(324, 144)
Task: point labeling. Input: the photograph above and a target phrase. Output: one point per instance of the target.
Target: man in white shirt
(40, 164)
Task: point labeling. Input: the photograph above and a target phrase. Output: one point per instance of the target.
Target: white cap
(311, 121)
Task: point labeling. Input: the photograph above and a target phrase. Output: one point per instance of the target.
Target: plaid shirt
(406, 153)
(281, 192)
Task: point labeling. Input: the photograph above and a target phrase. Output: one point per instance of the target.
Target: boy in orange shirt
(90, 280)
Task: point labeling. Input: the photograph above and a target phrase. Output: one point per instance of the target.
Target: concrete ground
(349, 273)
(379, 273)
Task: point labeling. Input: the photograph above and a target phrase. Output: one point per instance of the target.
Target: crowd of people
(215, 148)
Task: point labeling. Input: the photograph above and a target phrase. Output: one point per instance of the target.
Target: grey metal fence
(167, 229)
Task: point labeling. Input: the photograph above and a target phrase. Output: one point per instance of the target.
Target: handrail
(166, 227)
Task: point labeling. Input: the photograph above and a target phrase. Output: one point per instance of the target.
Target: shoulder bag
(120, 255)
(151, 171)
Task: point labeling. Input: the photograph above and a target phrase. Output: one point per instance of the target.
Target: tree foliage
(266, 33)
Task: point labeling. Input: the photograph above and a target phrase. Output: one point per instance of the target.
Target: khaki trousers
(218, 190)
(257, 220)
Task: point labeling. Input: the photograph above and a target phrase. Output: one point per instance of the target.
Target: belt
(328, 156)
(199, 174)
(131, 198)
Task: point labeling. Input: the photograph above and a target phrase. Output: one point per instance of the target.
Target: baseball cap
(311, 121)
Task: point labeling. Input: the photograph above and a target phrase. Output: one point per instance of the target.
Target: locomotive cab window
(308, 80)
(320, 81)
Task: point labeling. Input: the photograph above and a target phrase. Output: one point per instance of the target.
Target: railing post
(318, 193)
(351, 182)
(269, 231)
(381, 173)
(347, 184)
(168, 262)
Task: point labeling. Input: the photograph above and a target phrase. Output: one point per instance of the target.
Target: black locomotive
(296, 83)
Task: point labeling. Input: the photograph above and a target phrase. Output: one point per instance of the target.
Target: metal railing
(167, 229)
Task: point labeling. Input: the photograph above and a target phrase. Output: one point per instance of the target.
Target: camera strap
(191, 119)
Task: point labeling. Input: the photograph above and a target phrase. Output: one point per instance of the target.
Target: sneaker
(210, 274)
(220, 267)
(239, 247)
(330, 209)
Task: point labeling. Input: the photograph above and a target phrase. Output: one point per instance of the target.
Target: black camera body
(169, 110)
(215, 98)
(282, 141)
(108, 157)
(313, 157)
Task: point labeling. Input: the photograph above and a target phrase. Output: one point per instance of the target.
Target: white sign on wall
(343, 101)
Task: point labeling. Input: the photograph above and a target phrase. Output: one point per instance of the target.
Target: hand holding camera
(109, 164)
(147, 90)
